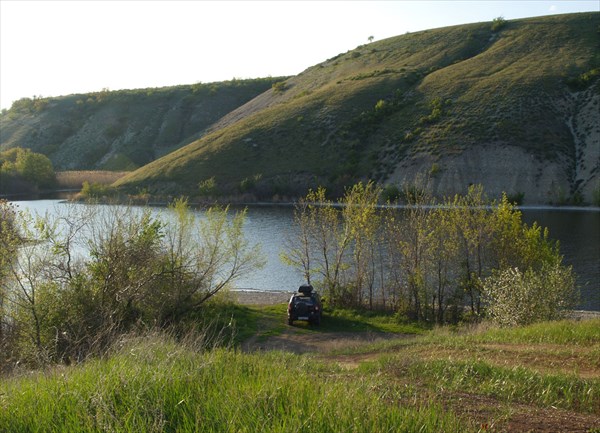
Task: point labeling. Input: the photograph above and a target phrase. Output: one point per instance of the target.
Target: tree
(321, 246)
(138, 267)
(19, 165)
(444, 247)
(360, 216)
(498, 24)
(371, 38)
(299, 246)
(9, 242)
(35, 167)
(470, 217)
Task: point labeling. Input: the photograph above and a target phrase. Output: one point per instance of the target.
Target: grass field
(544, 377)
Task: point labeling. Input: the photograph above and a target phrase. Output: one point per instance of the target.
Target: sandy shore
(260, 297)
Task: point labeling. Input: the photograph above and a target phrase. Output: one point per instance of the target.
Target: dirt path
(485, 411)
(301, 340)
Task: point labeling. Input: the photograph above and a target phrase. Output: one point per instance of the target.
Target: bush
(97, 190)
(207, 187)
(516, 298)
(279, 87)
(137, 270)
(498, 24)
(30, 167)
(390, 193)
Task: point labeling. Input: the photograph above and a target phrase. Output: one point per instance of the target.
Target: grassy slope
(121, 130)
(494, 87)
(506, 379)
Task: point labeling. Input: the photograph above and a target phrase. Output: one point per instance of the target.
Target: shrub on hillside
(498, 24)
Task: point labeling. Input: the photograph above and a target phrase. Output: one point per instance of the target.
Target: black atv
(305, 305)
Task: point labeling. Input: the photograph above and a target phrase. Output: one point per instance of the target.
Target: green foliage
(208, 187)
(141, 269)
(96, 190)
(158, 384)
(431, 259)
(583, 81)
(23, 165)
(516, 198)
(29, 105)
(498, 24)
(249, 183)
(10, 240)
(279, 86)
(436, 106)
(391, 193)
(517, 298)
(434, 170)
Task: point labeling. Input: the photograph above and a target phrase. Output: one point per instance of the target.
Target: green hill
(512, 105)
(514, 108)
(121, 130)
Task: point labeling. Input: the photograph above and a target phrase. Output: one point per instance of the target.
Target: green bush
(279, 86)
(391, 193)
(97, 190)
(208, 187)
(498, 24)
(139, 270)
(33, 168)
(523, 298)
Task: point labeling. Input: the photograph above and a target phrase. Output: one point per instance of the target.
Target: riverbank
(267, 297)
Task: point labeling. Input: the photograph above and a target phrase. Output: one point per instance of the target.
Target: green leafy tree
(140, 268)
(35, 167)
(360, 216)
(10, 240)
(471, 218)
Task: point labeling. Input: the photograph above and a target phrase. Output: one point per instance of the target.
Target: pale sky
(52, 48)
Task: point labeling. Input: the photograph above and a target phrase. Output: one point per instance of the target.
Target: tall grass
(512, 384)
(158, 385)
(585, 332)
(75, 179)
(560, 332)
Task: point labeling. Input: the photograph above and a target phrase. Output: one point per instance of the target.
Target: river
(578, 231)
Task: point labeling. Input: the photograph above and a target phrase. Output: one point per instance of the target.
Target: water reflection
(577, 230)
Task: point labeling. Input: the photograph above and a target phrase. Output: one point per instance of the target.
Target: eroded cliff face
(573, 175)
(583, 120)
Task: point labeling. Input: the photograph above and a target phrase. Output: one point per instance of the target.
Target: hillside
(121, 130)
(512, 105)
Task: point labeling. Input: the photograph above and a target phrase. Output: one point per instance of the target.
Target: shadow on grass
(344, 320)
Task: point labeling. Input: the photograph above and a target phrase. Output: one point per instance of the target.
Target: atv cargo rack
(305, 289)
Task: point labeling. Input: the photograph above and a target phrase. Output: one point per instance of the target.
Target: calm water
(577, 230)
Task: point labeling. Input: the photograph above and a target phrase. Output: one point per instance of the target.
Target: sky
(52, 48)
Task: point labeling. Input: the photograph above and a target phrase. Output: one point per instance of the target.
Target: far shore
(71, 195)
